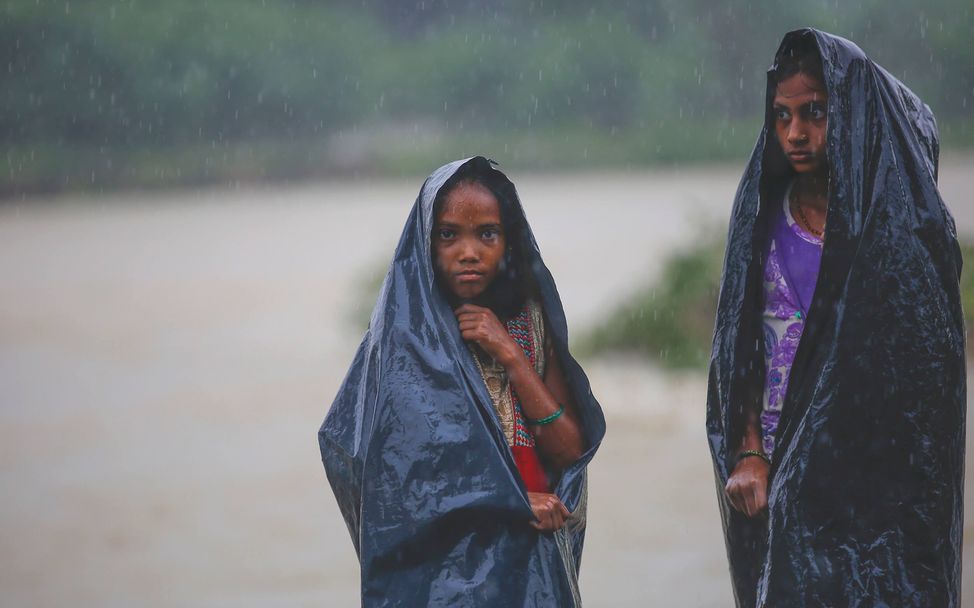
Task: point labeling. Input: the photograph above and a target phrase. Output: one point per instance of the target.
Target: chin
(819, 166)
(467, 294)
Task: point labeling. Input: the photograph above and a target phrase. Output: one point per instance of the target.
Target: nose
(797, 134)
(469, 252)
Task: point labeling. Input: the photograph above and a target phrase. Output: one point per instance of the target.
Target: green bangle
(745, 453)
(546, 419)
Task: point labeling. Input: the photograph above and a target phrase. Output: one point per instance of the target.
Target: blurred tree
(293, 80)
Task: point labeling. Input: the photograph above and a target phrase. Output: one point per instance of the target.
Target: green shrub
(967, 284)
(672, 320)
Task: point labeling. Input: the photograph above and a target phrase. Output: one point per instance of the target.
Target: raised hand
(481, 326)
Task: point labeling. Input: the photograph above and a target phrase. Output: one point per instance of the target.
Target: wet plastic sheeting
(417, 459)
(865, 504)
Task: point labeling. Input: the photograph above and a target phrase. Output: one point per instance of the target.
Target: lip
(468, 276)
(800, 157)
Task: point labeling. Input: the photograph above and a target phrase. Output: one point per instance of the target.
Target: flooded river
(166, 360)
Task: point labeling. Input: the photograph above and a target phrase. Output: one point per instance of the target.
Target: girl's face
(800, 112)
(468, 240)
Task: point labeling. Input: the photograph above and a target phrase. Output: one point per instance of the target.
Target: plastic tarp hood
(866, 490)
(417, 459)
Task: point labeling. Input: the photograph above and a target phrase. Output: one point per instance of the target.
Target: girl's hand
(549, 511)
(481, 325)
(747, 487)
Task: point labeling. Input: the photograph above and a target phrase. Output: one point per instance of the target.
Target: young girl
(458, 442)
(792, 256)
(837, 390)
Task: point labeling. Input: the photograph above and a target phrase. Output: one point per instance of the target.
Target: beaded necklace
(801, 215)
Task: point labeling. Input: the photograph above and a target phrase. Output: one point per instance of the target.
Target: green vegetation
(111, 93)
(672, 320)
(967, 286)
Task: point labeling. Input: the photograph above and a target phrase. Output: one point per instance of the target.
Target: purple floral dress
(790, 274)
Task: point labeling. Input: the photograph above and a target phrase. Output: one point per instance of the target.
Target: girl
(837, 389)
(458, 442)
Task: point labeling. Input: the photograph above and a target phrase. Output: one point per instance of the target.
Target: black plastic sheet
(866, 490)
(417, 459)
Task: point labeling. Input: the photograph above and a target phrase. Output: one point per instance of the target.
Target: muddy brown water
(166, 359)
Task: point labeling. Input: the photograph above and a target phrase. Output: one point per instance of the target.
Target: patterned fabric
(527, 330)
(790, 274)
(521, 330)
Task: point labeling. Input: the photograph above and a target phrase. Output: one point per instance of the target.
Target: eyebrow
(814, 102)
(479, 226)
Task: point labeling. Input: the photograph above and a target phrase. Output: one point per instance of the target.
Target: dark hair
(803, 57)
(514, 282)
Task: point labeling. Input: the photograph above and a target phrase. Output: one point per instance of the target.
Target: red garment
(529, 466)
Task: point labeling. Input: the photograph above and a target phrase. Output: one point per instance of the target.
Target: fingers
(471, 315)
(750, 502)
(748, 497)
(549, 511)
(734, 495)
(760, 499)
(747, 488)
(475, 323)
(470, 325)
(755, 497)
(480, 325)
(549, 524)
(473, 333)
(558, 513)
(468, 313)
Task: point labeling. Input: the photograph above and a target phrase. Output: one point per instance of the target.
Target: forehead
(470, 202)
(799, 88)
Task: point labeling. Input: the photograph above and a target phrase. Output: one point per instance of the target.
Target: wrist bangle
(546, 419)
(746, 453)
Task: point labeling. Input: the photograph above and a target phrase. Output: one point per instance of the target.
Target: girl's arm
(560, 441)
(747, 487)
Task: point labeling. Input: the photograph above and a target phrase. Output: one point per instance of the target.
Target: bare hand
(481, 326)
(747, 488)
(548, 510)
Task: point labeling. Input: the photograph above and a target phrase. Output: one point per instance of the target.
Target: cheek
(494, 260)
(821, 130)
(440, 257)
(781, 132)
